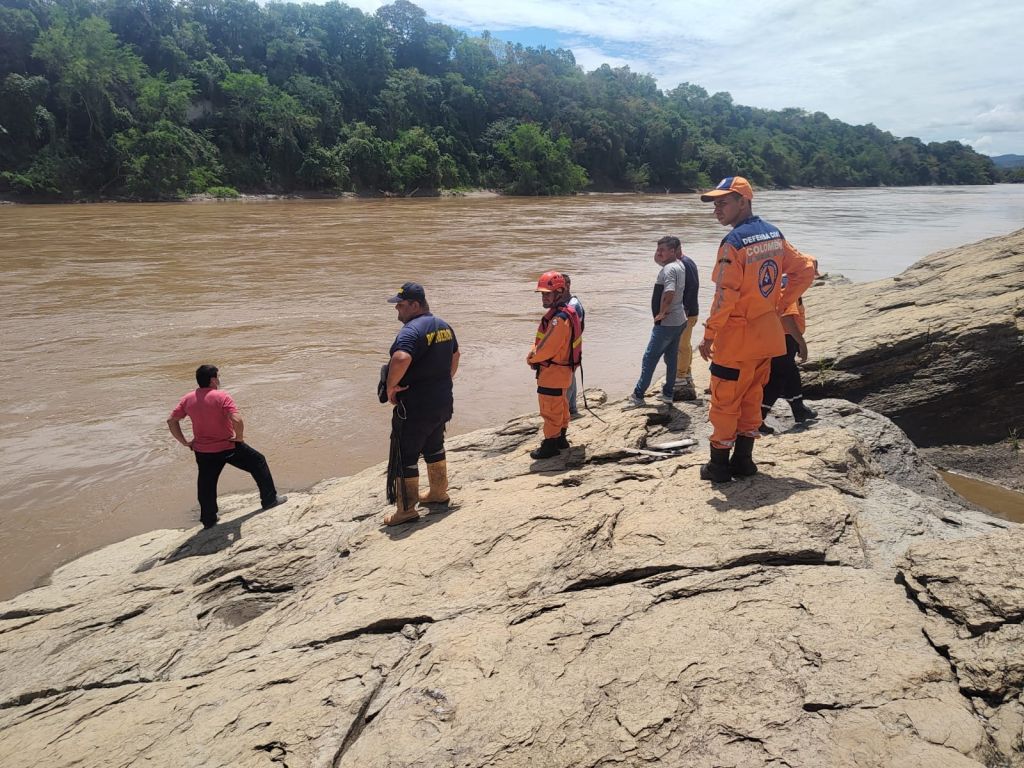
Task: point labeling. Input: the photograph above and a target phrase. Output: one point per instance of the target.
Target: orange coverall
(551, 352)
(744, 324)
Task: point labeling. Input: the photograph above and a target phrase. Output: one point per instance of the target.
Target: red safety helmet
(551, 282)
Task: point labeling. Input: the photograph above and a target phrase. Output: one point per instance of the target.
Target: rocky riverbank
(939, 348)
(841, 608)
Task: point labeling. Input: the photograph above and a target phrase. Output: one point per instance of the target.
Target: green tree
(27, 124)
(53, 172)
(538, 165)
(159, 32)
(166, 162)
(717, 160)
(408, 98)
(92, 75)
(324, 168)
(318, 100)
(163, 100)
(357, 58)
(268, 128)
(474, 60)
(417, 163)
(18, 31)
(366, 156)
(691, 176)
(413, 41)
(236, 30)
(640, 177)
(782, 161)
(208, 73)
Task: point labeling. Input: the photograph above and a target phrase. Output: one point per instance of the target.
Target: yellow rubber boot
(405, 513)
(437, 474)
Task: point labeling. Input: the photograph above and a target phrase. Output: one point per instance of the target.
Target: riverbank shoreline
(998, 465)
(203, 197)
(301, 332)
(474, 192)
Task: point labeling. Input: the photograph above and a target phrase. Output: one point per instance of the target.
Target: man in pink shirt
(217, 429)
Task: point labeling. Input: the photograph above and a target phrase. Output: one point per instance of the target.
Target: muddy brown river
(107, 310)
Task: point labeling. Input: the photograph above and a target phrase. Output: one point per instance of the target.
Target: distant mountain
(1008, 161)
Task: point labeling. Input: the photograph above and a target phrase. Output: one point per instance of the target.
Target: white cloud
(590, 58)
(1002, 118)
(981, 144)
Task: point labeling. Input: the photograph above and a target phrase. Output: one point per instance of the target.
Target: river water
(107, 310)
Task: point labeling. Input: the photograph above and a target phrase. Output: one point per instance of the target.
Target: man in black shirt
(424, 359)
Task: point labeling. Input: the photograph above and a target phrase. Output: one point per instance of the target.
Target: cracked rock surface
(974, 593)
(600, 608)
(938, 348)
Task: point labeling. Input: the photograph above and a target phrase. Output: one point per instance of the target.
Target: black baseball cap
(409, 292)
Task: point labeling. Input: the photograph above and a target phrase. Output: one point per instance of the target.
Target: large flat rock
(939, 348)
(603, 607)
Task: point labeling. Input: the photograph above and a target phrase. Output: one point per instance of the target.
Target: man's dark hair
(204, 373)
(568, 282)
(671, 242)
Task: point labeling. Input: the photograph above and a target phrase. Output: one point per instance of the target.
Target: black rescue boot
(562, 441)
(548, 448)
(717, 470)
(741, 464)
(801, 412)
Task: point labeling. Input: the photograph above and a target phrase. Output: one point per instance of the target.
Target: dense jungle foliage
(157, 99)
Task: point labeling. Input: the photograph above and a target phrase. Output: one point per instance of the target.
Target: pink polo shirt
(210, 412)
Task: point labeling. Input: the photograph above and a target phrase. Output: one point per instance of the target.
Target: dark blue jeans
(664, 344)
(245, 458)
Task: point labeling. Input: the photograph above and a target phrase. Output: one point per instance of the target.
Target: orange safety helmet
(551, 282)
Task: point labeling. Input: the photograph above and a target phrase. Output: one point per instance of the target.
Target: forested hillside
(155, 99)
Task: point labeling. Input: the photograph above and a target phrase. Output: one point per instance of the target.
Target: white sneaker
(634, 402)
(666, 398)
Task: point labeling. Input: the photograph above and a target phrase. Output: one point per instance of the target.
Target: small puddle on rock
(1001, 502)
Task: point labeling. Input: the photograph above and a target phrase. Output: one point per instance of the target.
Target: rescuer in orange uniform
(555, 354)
(743, 331)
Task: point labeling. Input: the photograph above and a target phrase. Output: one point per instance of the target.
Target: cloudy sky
(935, 69)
